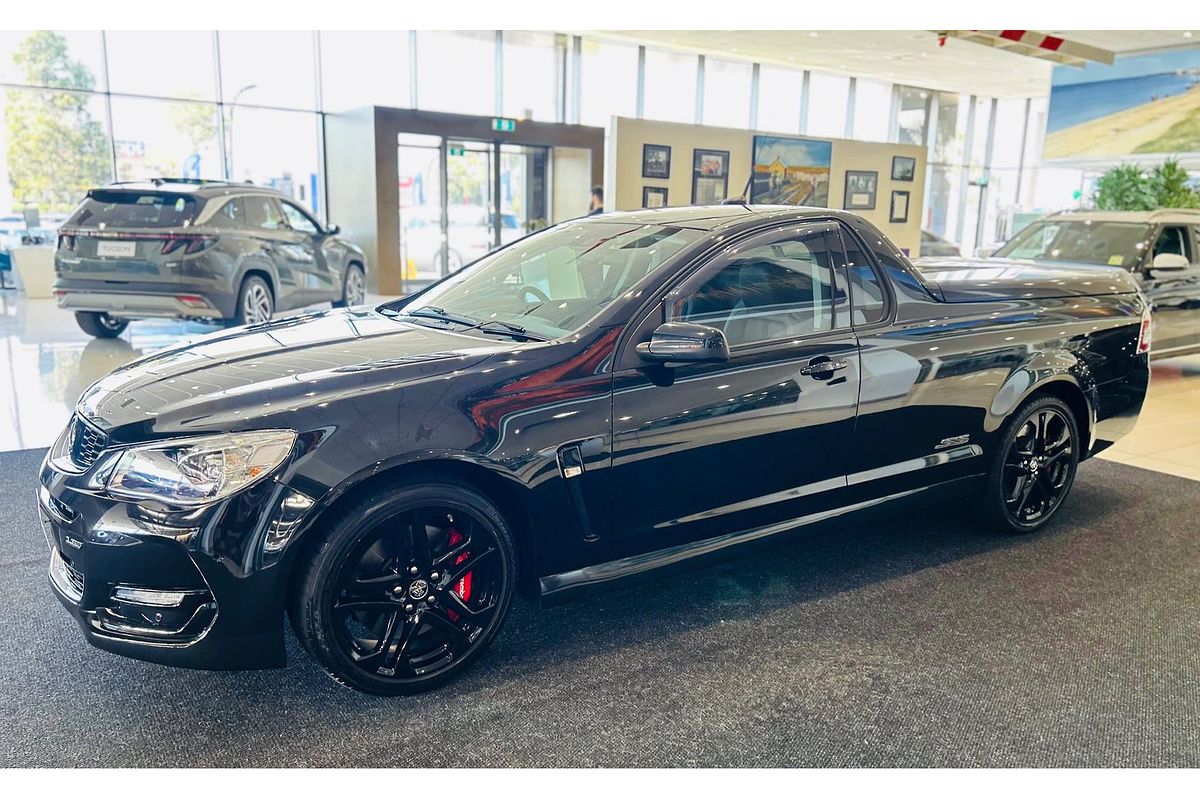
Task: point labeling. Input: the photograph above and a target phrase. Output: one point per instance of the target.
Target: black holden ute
(198, 250)
(601, 399)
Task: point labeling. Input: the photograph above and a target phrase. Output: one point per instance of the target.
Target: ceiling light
(812, 34)
(1187, 34)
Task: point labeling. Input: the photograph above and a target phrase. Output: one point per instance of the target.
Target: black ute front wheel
(100, 325)
(1034, 466)
(407, 587)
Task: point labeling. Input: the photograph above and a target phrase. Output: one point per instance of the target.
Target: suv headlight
(201, 469)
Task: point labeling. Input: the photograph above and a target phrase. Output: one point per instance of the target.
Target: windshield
(105, 208)
(1113, 244)
(553, 282)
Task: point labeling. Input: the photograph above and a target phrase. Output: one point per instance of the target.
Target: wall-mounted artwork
(904, 168)
(656, 161)
(710, 176)
(899, 209)
(654, 197)
(791, 171)
(1140, 104)
(860, 190)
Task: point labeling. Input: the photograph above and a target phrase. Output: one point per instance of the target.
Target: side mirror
(333, 230)
(1170, 261)
(985, 252)
(684, 342)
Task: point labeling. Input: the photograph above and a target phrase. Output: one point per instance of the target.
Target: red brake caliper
(463, 588)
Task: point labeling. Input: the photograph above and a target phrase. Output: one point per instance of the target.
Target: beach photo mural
(1140, 104)
(791, 171)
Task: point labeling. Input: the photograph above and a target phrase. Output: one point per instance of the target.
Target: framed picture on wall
(860, 190)
(903, 168)
(654, 197)
(790, 171)
(656, 161)
(899, 211)
(710, 176)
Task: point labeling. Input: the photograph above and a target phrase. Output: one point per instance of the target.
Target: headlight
(199, 470)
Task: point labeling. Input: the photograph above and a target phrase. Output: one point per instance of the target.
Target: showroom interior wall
(213, 107)
(628, 136)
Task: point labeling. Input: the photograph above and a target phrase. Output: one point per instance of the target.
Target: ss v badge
(953, 441)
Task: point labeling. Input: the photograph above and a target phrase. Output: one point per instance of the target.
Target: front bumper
(203, 589)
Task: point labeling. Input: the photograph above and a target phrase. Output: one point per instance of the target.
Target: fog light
(149, 597)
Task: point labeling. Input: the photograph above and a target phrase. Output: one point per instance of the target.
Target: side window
(1173, 239)
(232, 213)
(866, 293)
(770, 291)
(262, 212)
(299, 221)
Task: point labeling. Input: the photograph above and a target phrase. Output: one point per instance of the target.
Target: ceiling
(908, 57)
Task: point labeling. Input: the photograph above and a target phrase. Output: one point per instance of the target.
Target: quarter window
(233, 212)
(770, 291)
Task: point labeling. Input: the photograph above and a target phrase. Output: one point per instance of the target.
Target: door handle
(823, 366)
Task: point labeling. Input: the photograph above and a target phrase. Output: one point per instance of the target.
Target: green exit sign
(504, 125)
(455, 151)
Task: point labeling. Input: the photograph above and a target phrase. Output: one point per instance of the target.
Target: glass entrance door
(450, 190)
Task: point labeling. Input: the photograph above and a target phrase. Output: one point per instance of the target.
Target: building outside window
(268, 68)
(162, 63)
(365, 68)
(727, 93)
(912, 115)
(828, 97)
(779, 93)
(872, 110)
(608, 82)
(456, 71)
(670, 93)
(530, 75)
(157, 138)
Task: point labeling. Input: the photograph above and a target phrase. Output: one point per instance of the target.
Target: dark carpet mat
(923, 643)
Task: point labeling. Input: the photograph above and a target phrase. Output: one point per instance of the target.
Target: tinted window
(298, 220)
(1173, 240)
(127, 209)
(771, 291)
(233, 212)
(262, 212)
(866, 295)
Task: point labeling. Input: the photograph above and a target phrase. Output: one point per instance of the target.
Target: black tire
(374, 624)
(255, 303)
(100, 325)
(1034, 466)
(354, 287)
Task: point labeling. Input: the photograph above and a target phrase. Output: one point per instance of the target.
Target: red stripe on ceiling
(1014, 35)
(1051, 43)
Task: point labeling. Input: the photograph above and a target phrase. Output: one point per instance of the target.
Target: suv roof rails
(160, 181)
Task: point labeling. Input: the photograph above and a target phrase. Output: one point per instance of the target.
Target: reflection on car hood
(247, 371)
(966, 280)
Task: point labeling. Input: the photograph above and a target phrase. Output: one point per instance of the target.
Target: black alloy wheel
(406, 591)
(1036, 465)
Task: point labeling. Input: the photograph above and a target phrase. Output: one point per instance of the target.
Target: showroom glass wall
(82, 108)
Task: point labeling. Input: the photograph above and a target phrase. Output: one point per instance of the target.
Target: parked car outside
(198, 250)
(934, 245)
(614, 395)
(469, 237)
(1160, 249)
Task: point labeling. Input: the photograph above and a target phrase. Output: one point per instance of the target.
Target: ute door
(708, 449)
(1174, 294)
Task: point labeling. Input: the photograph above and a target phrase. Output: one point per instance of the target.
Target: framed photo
(710, 176)
(903, 168)
(860, 190)
(654, 197)
(899, 211)
(656, 161)
(790, 171)
(711, 163)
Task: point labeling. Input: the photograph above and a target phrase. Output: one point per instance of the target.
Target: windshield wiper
(511, 329)
(433, 312)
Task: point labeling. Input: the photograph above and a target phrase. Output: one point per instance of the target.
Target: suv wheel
(100, 325)
(354, 288)
(255, 304)
(1034, 466)
(407, 587)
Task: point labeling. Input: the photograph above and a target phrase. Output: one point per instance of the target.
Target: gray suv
(198, 250)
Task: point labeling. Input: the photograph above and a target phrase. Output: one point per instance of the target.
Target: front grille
(87, 442)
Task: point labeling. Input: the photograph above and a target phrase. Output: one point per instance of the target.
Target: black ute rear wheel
(100, 325)
(1034, 466)
(406, 588)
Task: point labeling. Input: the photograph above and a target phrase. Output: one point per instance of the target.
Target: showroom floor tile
(1167, 436)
